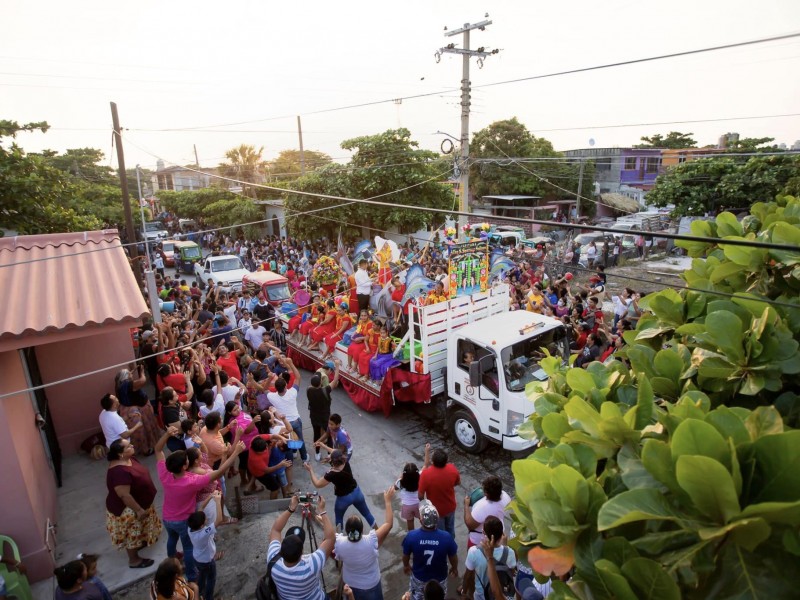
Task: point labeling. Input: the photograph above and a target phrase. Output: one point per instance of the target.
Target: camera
(306, 497)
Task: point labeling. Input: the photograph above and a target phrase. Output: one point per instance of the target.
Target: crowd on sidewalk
(225, 405)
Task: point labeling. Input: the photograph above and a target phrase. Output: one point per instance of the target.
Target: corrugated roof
(85, 280)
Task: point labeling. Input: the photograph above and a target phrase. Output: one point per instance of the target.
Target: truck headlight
(513, 420)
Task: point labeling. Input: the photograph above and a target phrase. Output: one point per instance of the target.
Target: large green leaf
(695, 437)
(728, 225)
(588, 551)
(657, 459)
(555, 425)
(619, 550)
(634, 474)
(644, 404)
(580, 381)
(664, 541)
(554, 524)
(710, 486)
(748, 533)
(572, 490)
(584, 415)
(649, 580)
(776, 478)
(667, 306)
(728, 424)
(764, 420)
(774, 512)
(725, 330)
(636, 505)
(669, 364)
(614, 580)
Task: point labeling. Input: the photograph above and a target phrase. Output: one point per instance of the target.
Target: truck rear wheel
(466, 432)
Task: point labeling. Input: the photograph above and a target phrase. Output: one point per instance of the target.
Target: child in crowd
(90, 560)
(339, 439)
(73, 582)
(204, 545)
(408, 485)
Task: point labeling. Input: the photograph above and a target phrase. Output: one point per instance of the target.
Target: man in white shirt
(363, 285)
(113, 425)
(255, 336)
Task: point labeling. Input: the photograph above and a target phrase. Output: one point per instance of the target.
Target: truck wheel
(200, 283)
(466, 432)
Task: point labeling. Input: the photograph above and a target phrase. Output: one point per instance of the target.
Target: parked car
(226, 271)
(155, 231)
(168, 248)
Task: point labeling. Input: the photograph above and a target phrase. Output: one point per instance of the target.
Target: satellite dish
(591, 141)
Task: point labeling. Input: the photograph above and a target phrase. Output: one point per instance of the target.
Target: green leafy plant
(672, 471)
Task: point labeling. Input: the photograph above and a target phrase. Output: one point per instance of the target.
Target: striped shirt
(300, 582)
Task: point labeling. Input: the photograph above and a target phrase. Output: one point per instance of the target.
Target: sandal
(146, 562)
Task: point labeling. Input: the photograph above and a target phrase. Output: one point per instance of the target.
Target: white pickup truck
(226, 271)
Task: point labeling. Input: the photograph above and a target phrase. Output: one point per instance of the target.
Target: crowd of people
(215, 397)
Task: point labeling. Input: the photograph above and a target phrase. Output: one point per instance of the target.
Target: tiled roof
(85, 280)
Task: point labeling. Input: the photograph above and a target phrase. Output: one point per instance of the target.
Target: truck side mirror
(475, 374)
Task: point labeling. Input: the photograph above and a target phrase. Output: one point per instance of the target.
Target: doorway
(48, 428)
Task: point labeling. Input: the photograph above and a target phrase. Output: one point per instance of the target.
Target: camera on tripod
(307, 497)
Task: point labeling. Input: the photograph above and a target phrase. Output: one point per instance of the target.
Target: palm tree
(245, 164)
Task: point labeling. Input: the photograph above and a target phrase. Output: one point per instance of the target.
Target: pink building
(70, 302)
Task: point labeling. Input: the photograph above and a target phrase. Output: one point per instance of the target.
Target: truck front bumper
(515, 443)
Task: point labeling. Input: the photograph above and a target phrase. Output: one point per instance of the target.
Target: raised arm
(318, 483)
(388, 519)
(337, 366)
(223, 468)
(171, 431)
(276, 533)
(328, 531)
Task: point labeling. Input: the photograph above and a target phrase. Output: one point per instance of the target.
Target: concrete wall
(76, 405)
(28, 498)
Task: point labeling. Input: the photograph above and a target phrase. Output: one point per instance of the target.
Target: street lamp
(141, 211)
(463, 173)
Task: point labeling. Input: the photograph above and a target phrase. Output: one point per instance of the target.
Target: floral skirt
(143, 439)
(129, 533)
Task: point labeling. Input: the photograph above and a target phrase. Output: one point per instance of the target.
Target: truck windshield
(521, 360)
(228, 264)
(191, 252)
(153, 226)
(276, 293)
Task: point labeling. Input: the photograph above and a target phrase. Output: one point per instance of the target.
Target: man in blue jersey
(297, 577)
(432, 548)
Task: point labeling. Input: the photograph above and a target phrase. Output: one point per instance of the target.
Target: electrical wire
(517, 80)
(688, 121)
(659, 234)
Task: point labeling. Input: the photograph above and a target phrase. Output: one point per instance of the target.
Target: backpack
(506, 576)
(265, 588)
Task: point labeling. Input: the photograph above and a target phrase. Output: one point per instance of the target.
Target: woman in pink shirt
(180, 493)
(237, 419)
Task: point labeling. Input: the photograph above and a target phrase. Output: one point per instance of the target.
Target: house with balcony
(180, 179)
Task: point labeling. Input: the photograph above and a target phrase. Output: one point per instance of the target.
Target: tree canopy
(507, 139)
(286, 167)
(705, 185)
(37, 197)
(672, 473)
(215, 206)
(382, 167)
(245, 163)
(673, 140)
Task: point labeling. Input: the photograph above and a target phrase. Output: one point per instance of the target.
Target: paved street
(381, 447)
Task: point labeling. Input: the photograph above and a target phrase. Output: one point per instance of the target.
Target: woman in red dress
(370, 346)
(358, 343)
(316, 313)
(325, 327)
(343, 322)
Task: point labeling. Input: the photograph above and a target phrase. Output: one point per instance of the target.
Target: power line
(664, 123)
(518, 80)
(652, 234)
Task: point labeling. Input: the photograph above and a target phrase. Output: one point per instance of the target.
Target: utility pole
(466, 54)
(196, 160)
(302, 156)
(126, 199)
(580, 188)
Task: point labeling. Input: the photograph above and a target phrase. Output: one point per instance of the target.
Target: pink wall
(29, 487)
(75, 405)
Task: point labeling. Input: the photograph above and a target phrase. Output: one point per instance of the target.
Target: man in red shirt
(438, 483)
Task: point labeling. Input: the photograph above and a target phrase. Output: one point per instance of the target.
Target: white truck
(225, 270)
(480, 356)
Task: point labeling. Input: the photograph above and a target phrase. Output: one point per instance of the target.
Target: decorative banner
(469, 268)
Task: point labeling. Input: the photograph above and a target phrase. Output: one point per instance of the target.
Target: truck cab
(225, 270)
(490, 362)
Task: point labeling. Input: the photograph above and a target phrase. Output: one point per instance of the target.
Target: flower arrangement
(326, 271)
(450, 234)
